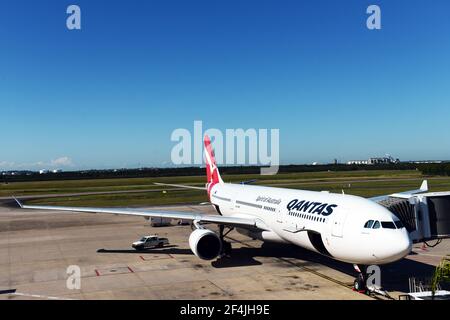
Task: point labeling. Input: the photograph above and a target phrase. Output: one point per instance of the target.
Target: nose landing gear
(362, 286)
(360, 282)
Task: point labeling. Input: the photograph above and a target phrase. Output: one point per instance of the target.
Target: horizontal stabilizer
(18, 202)
(179, 186)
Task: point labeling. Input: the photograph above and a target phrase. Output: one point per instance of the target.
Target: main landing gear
(360, 282)
(226, 246)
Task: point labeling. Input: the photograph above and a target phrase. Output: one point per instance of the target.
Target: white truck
(148, 242)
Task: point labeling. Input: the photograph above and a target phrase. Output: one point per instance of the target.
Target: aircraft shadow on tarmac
(239, 258)
(170, 249)
(394, 276)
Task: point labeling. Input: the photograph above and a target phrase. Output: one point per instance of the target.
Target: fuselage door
(338, 223)
(279, 215)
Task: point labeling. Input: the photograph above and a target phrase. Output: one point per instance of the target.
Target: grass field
(142, 191)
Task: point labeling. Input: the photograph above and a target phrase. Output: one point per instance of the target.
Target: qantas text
(323, 209)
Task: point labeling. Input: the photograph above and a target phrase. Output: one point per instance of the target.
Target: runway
(37, 247)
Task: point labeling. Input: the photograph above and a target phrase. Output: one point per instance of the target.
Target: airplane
(344, 227)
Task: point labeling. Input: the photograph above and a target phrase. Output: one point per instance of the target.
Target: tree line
(436, 169)
(431, 169)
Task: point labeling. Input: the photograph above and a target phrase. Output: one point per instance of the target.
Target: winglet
(424, 186)
(18, 202)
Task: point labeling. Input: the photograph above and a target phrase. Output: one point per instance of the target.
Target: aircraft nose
(396, 246)
(403, 244)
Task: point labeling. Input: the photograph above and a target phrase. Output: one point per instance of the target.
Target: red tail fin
(212, 172)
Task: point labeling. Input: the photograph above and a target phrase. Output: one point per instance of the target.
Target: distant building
(382, 160)
(11, 173)
(358, 162)
(57, 171)
(43, 171)
(426, 161)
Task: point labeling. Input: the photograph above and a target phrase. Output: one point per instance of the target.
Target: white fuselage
(327, 223)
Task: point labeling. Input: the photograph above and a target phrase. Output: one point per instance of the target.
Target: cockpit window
(387, 225)
(368, 224)
(371, 224)
(399, 224)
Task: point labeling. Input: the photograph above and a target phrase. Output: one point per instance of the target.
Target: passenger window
(368, 224)
(376, 225)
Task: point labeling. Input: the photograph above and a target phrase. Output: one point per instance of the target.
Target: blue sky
(111, 94)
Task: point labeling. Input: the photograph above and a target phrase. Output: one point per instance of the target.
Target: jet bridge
(426, 216)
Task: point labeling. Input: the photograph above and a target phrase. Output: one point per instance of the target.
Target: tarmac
(38, 247)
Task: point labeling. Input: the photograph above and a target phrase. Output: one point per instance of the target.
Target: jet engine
(205, 244)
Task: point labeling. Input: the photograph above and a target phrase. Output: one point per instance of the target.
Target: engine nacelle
(205, 244)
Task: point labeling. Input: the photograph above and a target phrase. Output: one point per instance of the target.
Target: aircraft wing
(404, 195)
(243, 222)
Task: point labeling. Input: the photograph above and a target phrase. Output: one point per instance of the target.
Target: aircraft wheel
(226, 248)
(360, 283)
